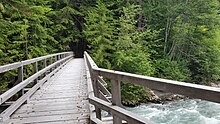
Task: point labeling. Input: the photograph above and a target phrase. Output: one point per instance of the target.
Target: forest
(171, 39)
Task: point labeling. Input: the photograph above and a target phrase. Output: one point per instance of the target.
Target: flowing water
(180, 112)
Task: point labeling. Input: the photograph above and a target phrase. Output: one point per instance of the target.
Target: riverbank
(154, 97)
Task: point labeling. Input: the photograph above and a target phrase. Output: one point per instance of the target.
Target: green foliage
(177, 39)
(187, 36)
(172, 70)
(171, 39)
(99, 32)
(30, 29)
(115, 43)
(133, 94)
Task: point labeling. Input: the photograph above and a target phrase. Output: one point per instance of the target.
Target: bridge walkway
(63, 99)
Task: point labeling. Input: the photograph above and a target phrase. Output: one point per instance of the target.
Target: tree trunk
(140, 16)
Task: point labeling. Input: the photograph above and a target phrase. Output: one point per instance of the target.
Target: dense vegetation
(170, 39)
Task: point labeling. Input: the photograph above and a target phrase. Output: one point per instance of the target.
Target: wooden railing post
(116, 98)
(36, 70)
(58, 58)
(96, 93)
(45, 65)
(51, 61)
(20, 74)
(55, 59)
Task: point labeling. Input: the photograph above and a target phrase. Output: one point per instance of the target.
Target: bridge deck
(61, 100)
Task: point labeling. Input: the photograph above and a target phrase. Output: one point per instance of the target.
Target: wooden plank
(83, 121)
(102, 81)
(76, 98)
(50, 118)
(44, 113)
(34, 108)
(71, 86)
(83, 102)
(59, 96)
(103, 89)
(57, 100)
(58, 91)
(103, 97)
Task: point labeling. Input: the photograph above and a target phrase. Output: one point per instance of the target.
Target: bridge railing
(100, 102)
(56, 62)
(164, 85)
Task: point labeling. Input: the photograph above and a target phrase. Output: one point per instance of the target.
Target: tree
(99, 30)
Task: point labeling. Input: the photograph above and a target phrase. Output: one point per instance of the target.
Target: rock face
(161, 97)
(215, 84)
(155, 97)
(152, 97)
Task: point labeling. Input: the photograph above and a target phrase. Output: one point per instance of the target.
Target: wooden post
(36, 67)
(51, 62)
(45, 65)
(96, 93)
(20, 74)
(61, 56)
(36, 70)
(58, 58)
(116, 98)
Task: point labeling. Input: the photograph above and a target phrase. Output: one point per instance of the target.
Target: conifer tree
(99, 30)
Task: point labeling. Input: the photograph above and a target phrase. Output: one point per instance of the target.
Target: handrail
(119, 114)
(60, 60)
(8, 67)
(188, 89)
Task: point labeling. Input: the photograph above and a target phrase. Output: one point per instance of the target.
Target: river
(190, 111)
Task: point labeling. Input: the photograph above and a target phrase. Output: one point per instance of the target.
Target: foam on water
(180, 112)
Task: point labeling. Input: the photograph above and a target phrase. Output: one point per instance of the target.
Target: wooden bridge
(70, 90)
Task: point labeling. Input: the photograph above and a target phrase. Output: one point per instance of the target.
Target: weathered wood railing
(56, 62)
(101, 102)
(119, 114)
